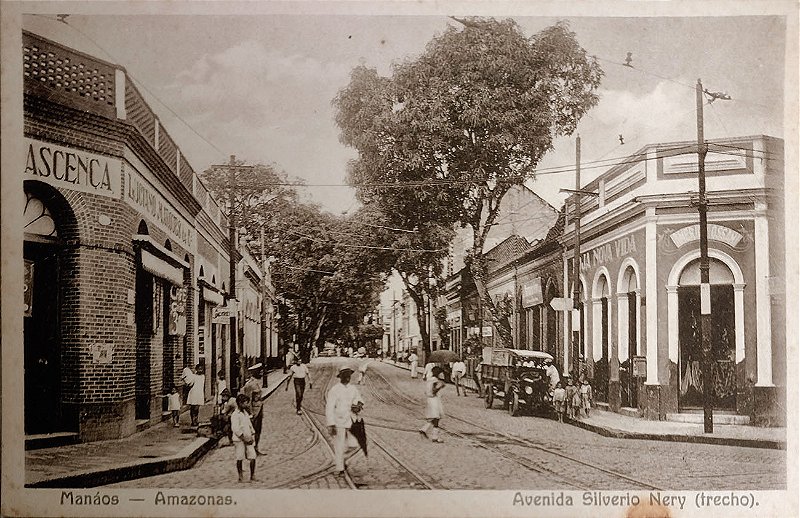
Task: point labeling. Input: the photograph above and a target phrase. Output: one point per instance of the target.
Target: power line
(369, 247)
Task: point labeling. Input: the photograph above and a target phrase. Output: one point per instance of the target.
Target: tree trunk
(419, 302)
(477, 269)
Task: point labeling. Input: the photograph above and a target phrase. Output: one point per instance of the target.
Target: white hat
(344, 368)
(254, 367)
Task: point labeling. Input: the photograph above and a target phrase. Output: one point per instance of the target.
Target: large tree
(461, 124)
(415, 247)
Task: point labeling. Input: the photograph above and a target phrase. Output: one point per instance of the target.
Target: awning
(213, 297)
(161, 268)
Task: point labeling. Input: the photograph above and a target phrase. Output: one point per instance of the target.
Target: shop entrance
(43, 262)
(601, 366)
(42, 339)
(723, 344)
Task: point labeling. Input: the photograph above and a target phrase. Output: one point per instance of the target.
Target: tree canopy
(451, 131)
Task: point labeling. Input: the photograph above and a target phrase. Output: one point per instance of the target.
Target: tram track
(518, 459)
(314, 416)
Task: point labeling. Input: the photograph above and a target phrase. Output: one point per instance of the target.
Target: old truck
(517, 378)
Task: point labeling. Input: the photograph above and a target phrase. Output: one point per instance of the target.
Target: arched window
(168, 245)
(143, 230)
(37, 218)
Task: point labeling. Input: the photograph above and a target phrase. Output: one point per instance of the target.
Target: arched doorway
(47, 220)
(601, 336)
(628, 315)
(550, 339)
(723, 337)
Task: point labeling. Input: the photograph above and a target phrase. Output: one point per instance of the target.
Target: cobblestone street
(483, 449)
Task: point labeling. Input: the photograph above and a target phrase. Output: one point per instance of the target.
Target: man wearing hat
(343, 402)
(252, 390)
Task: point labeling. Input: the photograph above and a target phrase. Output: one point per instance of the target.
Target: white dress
(433, 406)
(196, 393)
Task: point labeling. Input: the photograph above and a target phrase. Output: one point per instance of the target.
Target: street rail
(523, 442)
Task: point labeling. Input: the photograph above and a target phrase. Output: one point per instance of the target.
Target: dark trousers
(257, 421)
(194, 413)
(299, 388)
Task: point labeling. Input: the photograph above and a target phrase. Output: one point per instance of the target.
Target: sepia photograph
(399, 259)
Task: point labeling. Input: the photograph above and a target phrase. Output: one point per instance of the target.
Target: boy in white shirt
(243, 437)
(344, 401)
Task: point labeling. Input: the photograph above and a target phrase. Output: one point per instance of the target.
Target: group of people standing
(570, 399)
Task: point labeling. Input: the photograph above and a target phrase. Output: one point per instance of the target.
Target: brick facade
(115, 356)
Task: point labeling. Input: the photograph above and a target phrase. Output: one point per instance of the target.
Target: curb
(697, 439)
(181, 461)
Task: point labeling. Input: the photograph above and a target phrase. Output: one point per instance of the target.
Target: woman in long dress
(433, 405)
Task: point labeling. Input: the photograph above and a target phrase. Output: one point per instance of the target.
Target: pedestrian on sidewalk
(174, 405)
(252, 391)
(196, 396)
(243, 437)
(186, 379)
(343, 405)
(433, 404)
(572, 392)
(586, 396)
(457, 372)
(559, 400)
(299, 375)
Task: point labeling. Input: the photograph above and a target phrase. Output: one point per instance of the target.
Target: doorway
(723, 343)
(44, 261)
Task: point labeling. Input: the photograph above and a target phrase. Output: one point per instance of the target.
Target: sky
(260, 86)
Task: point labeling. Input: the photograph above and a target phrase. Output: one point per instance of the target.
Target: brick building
(125, 251)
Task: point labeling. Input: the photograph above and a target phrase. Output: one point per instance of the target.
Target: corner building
(640, 282)
(113, 280)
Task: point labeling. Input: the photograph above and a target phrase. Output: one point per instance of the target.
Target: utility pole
(705, 287)
(576, 263)
(264, 295)
(231, 168)
(232, 270)
(576, 260)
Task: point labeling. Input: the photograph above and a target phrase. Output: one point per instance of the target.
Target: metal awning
(161, 268)
(212, 296)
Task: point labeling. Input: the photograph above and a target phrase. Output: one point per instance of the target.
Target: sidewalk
(611, 424)
(159, 449)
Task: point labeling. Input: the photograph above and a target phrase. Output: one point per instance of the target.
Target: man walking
(252, 391)
(299, 374)
(457, 372)
(343, 402)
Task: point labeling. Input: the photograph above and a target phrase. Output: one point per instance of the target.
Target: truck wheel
(513, 405)
(489, 397)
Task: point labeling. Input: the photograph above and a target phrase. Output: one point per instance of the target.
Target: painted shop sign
(532, 293)
(604, 254)
(73, 169)
(140, 195)
(715, 232)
